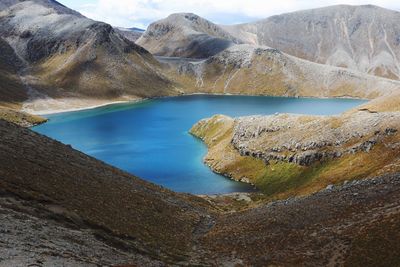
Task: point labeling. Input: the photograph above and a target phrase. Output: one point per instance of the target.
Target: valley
(150, 138)
(300, 113)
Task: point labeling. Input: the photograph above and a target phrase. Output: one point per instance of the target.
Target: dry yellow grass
(20, 118)
(384, 104)
(94, 72)
(280, 180)
(275, 74)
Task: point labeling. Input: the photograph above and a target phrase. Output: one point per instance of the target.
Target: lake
(150, 139)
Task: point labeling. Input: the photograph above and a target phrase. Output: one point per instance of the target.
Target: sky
(140, 13)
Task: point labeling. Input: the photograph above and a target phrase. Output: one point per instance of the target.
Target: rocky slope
(246, 69)
(297, 154)
(12, 90)
(33, 236)
(362, 38)
(73, 188)
(61, 207)
(62, 54)
(355, 224)
(185, 35)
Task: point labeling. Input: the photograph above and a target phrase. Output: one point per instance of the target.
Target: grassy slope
(385, 103)
(95, 72)
(270, 72)
(20, 118)
(282, 179)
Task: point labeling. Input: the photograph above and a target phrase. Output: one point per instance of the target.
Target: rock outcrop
(296, 154)
(304, 140)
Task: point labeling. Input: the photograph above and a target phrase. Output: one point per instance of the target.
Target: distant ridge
(186, 35)
(364, 38)
(131, 34)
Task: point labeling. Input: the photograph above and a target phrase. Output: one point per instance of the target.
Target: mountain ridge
(247, 69)
(192, 35)
(341, 35)
(66, 55)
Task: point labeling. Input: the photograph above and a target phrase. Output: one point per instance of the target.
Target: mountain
(132, 34)
(58, 59)
(185, 35)
(362, 38)
(12, 90)
(62, 54)
(255, 70)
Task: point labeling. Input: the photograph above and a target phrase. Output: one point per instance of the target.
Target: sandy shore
(52, 106)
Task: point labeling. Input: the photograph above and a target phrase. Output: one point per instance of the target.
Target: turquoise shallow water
(151, 140)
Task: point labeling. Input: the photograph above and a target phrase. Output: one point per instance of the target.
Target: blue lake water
(150, 139)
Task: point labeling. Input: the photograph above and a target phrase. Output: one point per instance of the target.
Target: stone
(329, 187)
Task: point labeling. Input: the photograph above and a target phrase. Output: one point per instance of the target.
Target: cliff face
(304, 140)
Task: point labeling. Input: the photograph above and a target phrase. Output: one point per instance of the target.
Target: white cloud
(140, 13)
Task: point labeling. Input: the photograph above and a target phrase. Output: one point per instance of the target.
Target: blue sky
(139, 13)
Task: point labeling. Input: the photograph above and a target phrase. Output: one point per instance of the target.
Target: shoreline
(136, 101)
(58, 111)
